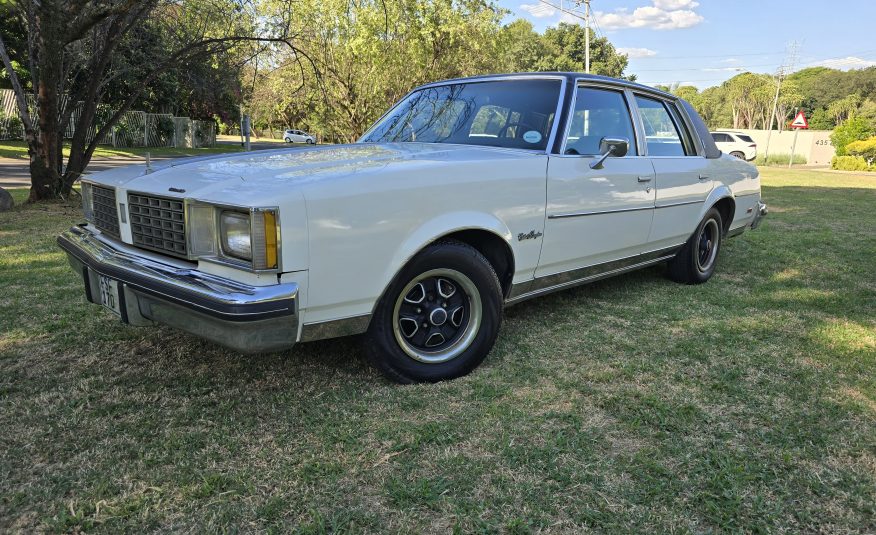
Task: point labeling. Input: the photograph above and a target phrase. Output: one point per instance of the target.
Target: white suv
(298, 136)
(736, 144)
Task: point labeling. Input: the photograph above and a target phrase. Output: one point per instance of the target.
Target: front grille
(106, 215)
(158, 223)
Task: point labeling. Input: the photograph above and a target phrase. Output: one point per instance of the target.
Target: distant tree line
(829, 98)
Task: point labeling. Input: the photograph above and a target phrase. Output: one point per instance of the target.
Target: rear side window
(745, 138)
(598, 113)
(662, 135)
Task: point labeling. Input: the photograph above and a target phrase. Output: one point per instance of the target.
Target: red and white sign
(800, 121)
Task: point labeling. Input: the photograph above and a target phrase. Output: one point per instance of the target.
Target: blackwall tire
(439, 318)
(696, 261)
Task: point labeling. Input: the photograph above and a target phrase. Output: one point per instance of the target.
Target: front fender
(439, 227)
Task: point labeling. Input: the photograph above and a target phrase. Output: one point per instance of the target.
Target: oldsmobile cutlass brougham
(467, 196)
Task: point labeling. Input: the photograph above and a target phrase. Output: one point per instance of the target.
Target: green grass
(745, 405)
(18, 150)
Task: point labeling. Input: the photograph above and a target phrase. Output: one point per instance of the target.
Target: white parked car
(298, 136)
(736, 144)
(466, 197)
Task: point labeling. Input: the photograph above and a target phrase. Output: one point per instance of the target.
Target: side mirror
(617, 147)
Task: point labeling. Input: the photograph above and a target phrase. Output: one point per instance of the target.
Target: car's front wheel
(439, 318)
(309, 141)
(696, 261)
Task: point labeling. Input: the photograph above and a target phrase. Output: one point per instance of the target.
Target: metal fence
(134, 129)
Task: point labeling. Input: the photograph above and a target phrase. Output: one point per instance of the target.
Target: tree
(844, 108)
(566, 49)
(72, 55)
(854, 129)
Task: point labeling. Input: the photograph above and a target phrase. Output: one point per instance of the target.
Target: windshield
(501, 113)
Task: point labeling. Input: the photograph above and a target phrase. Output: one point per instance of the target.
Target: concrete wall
(814, 145)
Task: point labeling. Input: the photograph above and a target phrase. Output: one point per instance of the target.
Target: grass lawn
(632, 405)
(18, 150)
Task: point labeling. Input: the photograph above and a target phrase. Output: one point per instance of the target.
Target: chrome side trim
(736, 231)
(598, 212)
(335, 328)
(621, 210)
(682, 203)
(567, 279)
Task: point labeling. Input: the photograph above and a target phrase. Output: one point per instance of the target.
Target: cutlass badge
(531, 235)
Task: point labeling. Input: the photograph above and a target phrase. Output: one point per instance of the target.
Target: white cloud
(569, 18)
(851, 62)
(661, 15)
(538, 10)
(730, 60)
(723, 69)
(637, 52)
(672, 5)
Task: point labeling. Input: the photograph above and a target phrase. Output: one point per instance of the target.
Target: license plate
(109, 294)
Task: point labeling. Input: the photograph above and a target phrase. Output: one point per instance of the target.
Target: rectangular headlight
(236, 234)
(87, 202)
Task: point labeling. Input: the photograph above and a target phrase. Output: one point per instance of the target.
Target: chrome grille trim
(105, 213)
(158, 224)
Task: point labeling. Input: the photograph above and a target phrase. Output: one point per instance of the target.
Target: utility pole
(587, 36)
(575, 12)
(788, 64)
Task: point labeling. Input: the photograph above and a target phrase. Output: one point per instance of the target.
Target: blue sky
(704, 42)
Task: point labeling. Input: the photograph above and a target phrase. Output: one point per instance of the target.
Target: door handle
(704, 177)
(644, 179)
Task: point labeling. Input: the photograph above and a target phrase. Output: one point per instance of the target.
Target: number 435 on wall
(823, 142)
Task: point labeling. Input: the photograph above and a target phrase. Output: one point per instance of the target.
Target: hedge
(850, 163)
(865, 149)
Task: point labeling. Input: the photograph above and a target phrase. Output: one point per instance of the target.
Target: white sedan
(466, 197)
(736, 144)
(298, 136)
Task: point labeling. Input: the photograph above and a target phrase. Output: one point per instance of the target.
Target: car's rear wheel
(287, 140)
(737, 154)
(696, 261)
(439, 318)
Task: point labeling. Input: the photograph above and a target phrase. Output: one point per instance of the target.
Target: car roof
(571, 77)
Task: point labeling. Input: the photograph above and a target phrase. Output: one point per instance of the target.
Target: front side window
(661, 132)
(501, 113)
(598, 114)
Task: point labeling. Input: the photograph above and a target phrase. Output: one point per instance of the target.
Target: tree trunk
(46, 148)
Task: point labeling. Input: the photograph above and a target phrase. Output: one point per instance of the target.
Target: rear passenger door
(683, 180)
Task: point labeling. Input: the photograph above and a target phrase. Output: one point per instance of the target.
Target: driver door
(595, 216)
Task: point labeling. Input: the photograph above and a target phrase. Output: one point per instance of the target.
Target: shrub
(10, 126)
(850, 163)
(864, 148)
(780, 159)
(854, 129)
(166, 128)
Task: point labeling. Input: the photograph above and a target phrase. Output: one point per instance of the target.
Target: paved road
(15, 172)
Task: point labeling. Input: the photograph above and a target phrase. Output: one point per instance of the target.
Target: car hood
(245, 176)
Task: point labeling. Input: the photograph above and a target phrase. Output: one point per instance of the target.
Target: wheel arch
(721, 198)
(484, 232)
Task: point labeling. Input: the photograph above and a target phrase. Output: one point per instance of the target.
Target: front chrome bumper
(760, 212)
(249, 319)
